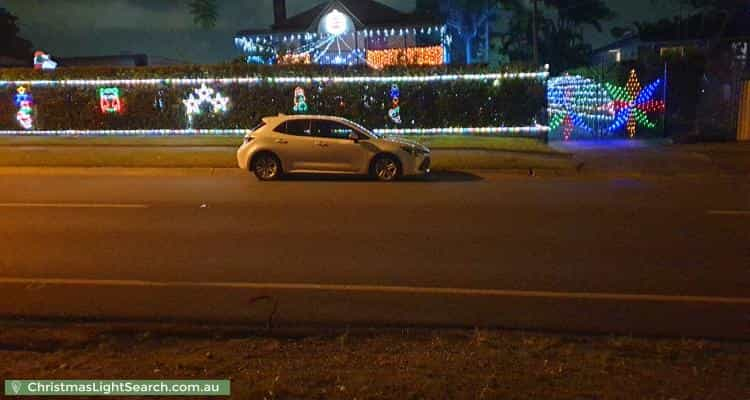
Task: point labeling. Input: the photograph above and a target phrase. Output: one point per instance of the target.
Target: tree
(469, 21)
(558, 30)
(204, 12)
(11, 45)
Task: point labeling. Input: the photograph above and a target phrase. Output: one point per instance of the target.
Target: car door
(337, 151)
(294, 144)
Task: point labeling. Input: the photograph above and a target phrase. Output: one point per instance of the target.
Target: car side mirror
(354, 137)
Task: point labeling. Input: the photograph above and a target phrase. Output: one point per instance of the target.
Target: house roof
(365, 13)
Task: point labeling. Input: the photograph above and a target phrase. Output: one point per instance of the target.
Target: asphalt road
(647, 256)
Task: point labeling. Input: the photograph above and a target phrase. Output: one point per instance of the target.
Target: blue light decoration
(25, 103)
(394, 113)
(631, 105)
(300, 101)
(336, 42)
(583, 108)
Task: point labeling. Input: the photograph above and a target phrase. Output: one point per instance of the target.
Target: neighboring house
(348, 32)
(674, 38)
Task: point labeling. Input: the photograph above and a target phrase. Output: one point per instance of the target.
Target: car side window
(297, 127)
(331, 129)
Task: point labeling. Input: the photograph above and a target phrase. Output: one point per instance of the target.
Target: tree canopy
(12, 45)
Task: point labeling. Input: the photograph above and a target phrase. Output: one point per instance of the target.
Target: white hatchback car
(323, 144)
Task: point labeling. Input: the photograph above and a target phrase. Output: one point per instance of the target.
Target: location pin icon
(16, 386)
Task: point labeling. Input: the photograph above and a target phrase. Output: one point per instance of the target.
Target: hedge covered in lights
(169, 98)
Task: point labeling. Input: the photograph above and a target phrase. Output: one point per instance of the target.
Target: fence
(743, 120)
(428, 104)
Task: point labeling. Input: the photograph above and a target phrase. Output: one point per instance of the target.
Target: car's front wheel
(386, 168)
(266, 167)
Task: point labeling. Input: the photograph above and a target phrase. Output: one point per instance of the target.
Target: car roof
(282, 117)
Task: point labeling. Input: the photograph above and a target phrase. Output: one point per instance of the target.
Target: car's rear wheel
(386, 168)
(266, 167)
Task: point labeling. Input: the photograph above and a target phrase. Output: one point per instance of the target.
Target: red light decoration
(409, 56)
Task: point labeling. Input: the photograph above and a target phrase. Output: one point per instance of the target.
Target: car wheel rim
(386, 169)
(266, 168)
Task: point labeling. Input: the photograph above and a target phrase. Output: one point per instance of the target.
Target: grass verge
(450, 153)
(395, 364)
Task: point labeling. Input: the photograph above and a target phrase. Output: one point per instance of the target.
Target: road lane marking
(739, 213)
(386, 289)
(70, 205)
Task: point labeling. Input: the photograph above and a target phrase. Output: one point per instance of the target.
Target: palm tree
(204, 12)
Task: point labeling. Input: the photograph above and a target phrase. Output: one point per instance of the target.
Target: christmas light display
(300, 101)
(336, 23)
(433, 55)
(581, 107)
(338, 42)
(109, 100)
(394, 113)
(25, 103)
(201, 97)
(288, 59)
(43, 61)
(518, 130)
(279, 80)
(206, 95)
(632, 104)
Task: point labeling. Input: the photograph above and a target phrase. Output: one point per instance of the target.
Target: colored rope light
(463, 131)
(25, 103)
(394, 113)
(109, 100)
(300, 101)
(240, 132)
(279, 80)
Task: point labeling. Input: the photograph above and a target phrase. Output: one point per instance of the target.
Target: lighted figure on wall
(25, 103)
(109, 100)
(43, 61)
(583, 108)
(394, 113)
(202, 97)
(632, 104)
(300, 101)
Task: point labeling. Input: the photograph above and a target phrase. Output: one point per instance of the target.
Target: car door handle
(281, 141)
(322, 144)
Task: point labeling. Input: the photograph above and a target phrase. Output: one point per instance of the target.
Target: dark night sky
(165, 28)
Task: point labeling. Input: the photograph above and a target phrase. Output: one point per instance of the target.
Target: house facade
(348, 32)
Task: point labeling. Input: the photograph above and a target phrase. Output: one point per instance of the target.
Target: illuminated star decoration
(205, 95)
(566, 118)
(632, 104)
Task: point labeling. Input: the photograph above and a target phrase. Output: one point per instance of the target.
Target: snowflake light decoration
(631, 105)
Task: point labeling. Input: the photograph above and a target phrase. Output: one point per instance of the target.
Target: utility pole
(533, 33)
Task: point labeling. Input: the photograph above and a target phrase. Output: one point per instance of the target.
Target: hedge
(508, 102)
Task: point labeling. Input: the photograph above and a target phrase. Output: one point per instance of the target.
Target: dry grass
(479, 364)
